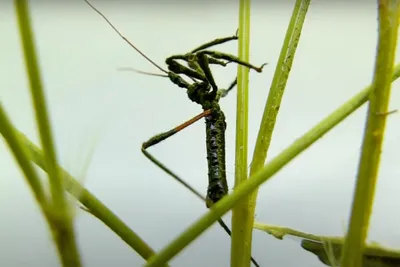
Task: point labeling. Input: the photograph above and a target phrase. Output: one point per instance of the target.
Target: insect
(204, 91)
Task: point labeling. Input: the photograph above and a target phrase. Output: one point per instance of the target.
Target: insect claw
(261, 68)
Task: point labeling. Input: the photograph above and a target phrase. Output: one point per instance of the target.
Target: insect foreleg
(178, 68)
(203, 63)
(232, 58)
(215, 42)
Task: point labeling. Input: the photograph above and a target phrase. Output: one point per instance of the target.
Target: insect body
(205, 92)
(202, 90)
(215, 139)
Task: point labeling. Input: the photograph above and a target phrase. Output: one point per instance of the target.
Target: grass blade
(241, 229)
(329, 252)
(278, 85)
(94, 205)
(22, 158)
(329, 248)
(242, 223)
(389, 11)
(59, 212)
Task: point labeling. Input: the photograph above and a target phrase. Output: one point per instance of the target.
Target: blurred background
(104, 114)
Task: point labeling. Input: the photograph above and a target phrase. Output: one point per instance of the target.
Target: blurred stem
(94, 205)
(22, 158)
(59, 213)
(241, 229)
(388, 11)
(280, 231)
(272, 167)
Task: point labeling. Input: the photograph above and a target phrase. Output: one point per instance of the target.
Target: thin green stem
(280, 231)
(278, 85)
(61, 219)
(21, 156)
(94, 205)
(241, 229)
(273, 103)
(329, 251)
(245, 188)
(38, 99)
(389, 11)
(329, 248)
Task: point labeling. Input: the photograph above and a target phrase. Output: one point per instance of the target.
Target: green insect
(203, 91)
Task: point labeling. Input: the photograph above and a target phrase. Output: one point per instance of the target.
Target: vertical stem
(61, 221)
(241, 221)
(388, 13)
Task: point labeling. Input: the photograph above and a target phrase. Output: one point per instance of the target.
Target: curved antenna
(142, 72)
(124, 38)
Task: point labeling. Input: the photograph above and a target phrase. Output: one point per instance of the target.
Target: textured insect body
(208, 97)
(215, 140)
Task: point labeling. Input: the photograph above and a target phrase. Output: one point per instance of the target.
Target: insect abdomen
(215, 131)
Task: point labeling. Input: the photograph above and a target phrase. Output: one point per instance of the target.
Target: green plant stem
(280, 231)
(329, 248)
(278, 85)
(60, 216)
(93, 204)
(272, 105)
(22, 158)
(39, 102)
(389, 11)
(240, 246)
(245, 188)
(329, 251)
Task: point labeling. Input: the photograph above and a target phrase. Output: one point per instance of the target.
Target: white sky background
(94, 106)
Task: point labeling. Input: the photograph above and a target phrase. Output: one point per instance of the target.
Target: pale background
(94, 106)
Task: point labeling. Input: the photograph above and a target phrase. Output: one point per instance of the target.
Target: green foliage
(59, 216)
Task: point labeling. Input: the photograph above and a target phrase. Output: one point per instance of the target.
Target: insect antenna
(149, 73)
(124, 38)
(142, 72)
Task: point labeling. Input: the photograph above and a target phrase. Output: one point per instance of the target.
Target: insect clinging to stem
(204, 91)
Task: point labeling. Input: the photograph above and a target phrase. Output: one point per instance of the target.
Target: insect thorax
(201, 93)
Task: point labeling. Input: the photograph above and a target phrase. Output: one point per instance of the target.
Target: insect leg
(232, 58)
(204, 65)
(161, 137)
(215, 42)
(224, 92)
(175, 67)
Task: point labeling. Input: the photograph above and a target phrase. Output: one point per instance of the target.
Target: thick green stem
(241, 221)
(389, 11)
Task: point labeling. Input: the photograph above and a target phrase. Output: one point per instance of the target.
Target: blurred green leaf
(330, 251)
